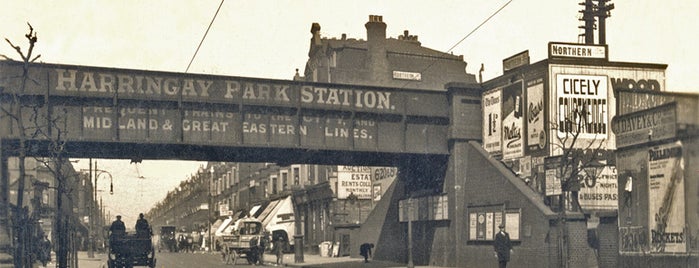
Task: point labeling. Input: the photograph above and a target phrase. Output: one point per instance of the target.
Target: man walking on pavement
(502, 246)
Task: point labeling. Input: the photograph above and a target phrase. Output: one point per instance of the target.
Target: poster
(472, 226)
(666, 206)
(553, 182)
(536, 136)
(599, 190)
(491, 121)
(512, 122)
(581, 103)
(512, 224)
(354, 180)
(489, 226)
(377, 192)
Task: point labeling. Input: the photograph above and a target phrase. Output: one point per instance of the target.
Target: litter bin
(325, 248)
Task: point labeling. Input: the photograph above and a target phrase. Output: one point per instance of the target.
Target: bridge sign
(119, 105)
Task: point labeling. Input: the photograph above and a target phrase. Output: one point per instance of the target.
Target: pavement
(339, 262)
(309, 261)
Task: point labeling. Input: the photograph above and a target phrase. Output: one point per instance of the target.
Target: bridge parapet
(97, 104)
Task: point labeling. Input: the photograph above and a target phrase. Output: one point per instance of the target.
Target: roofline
(517, 182)
(604, 63)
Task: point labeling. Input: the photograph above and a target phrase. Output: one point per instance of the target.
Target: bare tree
(15, 113)
(37, 124)
(578, 160)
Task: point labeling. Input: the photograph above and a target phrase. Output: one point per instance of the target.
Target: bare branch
(6, 57)
(17, 48)
(35, 58)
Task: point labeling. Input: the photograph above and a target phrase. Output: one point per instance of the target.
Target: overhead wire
(204, 37)
(467, 35)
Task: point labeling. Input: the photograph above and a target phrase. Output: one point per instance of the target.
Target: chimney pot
(315, 27)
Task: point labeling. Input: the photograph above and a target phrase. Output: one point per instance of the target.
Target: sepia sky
(270, 39)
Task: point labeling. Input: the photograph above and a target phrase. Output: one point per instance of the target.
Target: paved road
(199, 259)
(168, 260)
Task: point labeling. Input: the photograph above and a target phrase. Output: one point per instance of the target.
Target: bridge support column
(5, 238)
(299, 199)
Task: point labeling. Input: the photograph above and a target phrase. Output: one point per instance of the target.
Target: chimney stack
(377, 64)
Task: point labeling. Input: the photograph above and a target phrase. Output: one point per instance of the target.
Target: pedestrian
(279, 250)
(264, 242)
(118, 231)
(253, 256)
(45, 250)
(142, 228)
(365, 251)
(502, 246)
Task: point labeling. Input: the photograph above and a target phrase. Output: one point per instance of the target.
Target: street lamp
(209, 201)
(208, 219)
(91, 235)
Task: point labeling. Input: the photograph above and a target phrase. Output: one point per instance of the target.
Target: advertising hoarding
(536, 134)
(599, 191)
(492, 137)
(483, 225)
(666, 207)
(654, 124)
(581, 106)
(513, 121)
(356, 180)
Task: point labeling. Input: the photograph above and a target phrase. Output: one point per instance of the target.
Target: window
(274, 184)
(296, 176)
(285, 181)
(225, 181)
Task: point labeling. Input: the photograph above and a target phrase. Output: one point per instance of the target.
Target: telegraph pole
(603, 12)
(90, 236)
(589, 18)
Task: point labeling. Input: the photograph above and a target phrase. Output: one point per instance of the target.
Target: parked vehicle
(167, 239)
(130, 250)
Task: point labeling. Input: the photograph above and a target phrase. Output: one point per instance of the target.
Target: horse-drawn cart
(130, 250)
(241, 240)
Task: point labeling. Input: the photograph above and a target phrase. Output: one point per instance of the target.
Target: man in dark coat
(118, 226)
(365, 251)
(142, 227)
(502, 246)
(118, 231)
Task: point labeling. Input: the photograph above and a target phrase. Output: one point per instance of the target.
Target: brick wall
(608, 236)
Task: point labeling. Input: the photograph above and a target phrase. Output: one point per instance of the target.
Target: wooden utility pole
(603, 12)
(595, 12)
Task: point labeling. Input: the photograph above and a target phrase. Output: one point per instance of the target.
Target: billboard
(536, 135)
(512, 121)
(581, 106)
(356, 180)
(599, 191)
(654, 124)
(492, 137)
(666, 207)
